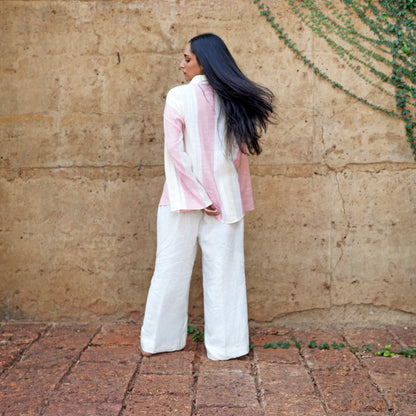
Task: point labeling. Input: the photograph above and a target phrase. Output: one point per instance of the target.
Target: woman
(210, 126)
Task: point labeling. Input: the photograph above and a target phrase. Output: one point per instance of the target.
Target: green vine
(365, 348)
(198, 336)
(389, 54)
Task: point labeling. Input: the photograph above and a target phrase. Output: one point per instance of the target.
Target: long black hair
(246, 104)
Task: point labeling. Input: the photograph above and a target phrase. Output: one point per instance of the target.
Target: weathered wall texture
(81, 161)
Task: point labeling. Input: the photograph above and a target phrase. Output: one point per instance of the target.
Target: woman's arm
(185, 190)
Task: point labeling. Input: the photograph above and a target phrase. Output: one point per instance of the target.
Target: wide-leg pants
(225, 300)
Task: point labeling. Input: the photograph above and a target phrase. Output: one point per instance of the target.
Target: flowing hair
(247, 105)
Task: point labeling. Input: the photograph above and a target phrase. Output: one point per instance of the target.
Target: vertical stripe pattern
(199, 170)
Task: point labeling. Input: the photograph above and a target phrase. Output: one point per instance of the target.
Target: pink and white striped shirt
(199, 169)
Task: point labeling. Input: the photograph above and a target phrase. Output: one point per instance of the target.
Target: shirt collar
(198, 79)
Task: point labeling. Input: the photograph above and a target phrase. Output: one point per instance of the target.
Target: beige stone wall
(82, 92)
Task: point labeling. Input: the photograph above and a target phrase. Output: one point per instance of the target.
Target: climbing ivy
(387, 50)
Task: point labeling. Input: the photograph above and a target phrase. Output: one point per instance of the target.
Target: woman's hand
(211, 210)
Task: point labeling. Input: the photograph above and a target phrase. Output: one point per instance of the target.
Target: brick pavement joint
(97, 370)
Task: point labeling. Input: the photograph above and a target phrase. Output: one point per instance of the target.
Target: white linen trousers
(225, 300)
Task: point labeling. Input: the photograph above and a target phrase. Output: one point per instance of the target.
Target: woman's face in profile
(189, 65)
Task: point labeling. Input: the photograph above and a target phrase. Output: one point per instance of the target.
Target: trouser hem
(218, 356)
(164, 348)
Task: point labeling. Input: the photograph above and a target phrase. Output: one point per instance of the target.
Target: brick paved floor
(97, 370)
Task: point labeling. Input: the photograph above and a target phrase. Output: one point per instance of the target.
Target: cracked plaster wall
(82, 92)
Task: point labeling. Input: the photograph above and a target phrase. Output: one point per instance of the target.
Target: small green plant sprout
(297, 343)
(339, 346)
(353, 349)
(366, 348)
(385, 352)
(312, 344)
(324, 347)
(409, 353)
(274, 345)
(196, 335)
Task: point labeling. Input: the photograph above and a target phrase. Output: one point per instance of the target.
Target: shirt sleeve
(242, 165)
(184, 189)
